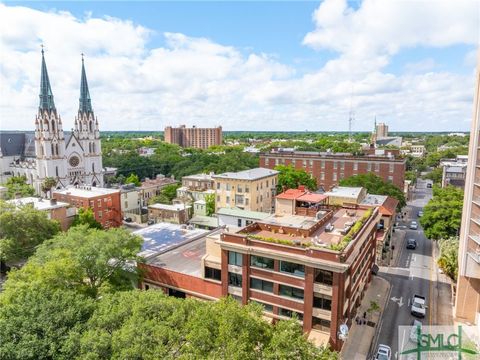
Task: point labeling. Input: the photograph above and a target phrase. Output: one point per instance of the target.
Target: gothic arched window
(93, 168)
(56, 170)
(56, 149)
(53, 150)
(80, 124)
(53, 125)
(91, 126)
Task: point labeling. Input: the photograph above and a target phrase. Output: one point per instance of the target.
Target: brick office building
(284, 262)
(105, 203)
(201, 138)
(330, 168)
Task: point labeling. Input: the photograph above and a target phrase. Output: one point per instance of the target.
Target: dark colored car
(128, 220)
(429, 185)
(411, 244)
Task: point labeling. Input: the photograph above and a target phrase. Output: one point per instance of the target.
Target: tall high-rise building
(381, 130)
(193, 137)
(467, 302)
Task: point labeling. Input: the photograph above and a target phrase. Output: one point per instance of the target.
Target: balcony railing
(322, 289)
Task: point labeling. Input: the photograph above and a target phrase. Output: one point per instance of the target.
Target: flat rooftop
(38, 203)
(173, 207)
(162, 237)
(320, 237)
(371, 199)
(198, 177)
(86, 192)
(237, 212)
(345, 192)
(177, 250)
(252, 174)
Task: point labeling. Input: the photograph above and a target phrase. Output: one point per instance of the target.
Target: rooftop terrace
(327, 230)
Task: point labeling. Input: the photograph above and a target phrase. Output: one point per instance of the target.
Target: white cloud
(198, 81)
(384, 27)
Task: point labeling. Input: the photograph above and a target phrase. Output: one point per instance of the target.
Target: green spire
(46, 95)
(85, 101)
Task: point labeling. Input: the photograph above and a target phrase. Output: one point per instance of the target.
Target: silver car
(413, 225)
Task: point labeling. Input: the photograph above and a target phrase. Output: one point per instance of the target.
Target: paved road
(410, 275)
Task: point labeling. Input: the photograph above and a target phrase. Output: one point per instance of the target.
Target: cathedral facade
(70, 159)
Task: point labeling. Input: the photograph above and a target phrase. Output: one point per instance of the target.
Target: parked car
(429, 185)
(411, 244)
(128, 220)
(413, 225)
(418, 306)
(150, 222)
(414, 330)
(383, 353)
(420, 213)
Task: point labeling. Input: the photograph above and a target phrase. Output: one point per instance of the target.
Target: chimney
(301, 187)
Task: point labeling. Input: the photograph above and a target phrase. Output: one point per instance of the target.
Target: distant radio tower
(351, 117)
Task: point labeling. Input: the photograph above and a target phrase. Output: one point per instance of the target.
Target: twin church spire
(46, 94)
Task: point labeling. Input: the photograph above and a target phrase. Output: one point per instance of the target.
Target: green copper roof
(46, 95)
(85, 101)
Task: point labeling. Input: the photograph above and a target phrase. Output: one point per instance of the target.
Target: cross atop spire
(85, 101)
(46, 95)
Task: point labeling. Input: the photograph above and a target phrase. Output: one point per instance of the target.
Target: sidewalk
(360, 337)
(441, 293)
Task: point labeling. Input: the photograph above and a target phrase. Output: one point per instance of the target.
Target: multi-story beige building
(381, 130)
(252, 190)
(193, 137)
(467, 302)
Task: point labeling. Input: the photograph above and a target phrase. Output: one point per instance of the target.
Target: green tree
(375, 185)
(435, 175)
(448, 260)
(210, 204)
(290, 178)
(36, 321)
(86, 217)
(17, 185)
(149, 325)
(289, 342)
(443, 213)
(85, 259)
(22, 229)
(133, 179)
(48, 184)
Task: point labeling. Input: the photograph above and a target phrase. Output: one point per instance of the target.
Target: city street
(413, 272)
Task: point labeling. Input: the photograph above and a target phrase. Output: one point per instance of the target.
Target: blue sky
(304, 59)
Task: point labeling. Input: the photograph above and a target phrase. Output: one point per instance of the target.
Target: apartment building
(176, 213)
(329, 168)
(381, 130)
(454, 171)
(292, 265)
(252, 190)
(418, 151)
(467, 301)
(201, 138)
(198, 182)
(105, 203)
(63, 212)
(152, 187)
